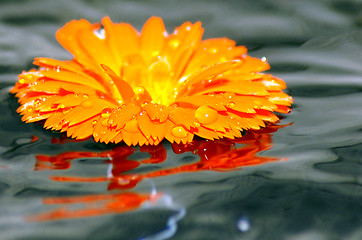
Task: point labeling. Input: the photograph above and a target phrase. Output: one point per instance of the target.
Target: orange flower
(143, 87)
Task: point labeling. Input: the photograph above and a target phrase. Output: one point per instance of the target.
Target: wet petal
(140, 88)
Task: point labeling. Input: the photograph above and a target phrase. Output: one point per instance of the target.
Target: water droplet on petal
(110, 122)
(179, 132)
(206, 115)
(231, 105)
(131, 126)
(229, 95)
(140, 90)
(105, 123)
(213, 50)
(87, 104)
(174, 43)
(223, 59)
(196, 124)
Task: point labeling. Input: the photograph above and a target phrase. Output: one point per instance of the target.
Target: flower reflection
(94, 205)
(220, 155)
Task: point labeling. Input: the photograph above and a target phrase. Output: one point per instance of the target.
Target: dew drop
(140, 90)
(66, 111)
(206, 115)
(213, 50)
(229, 95)
(155, 53)
(223, 59)
(179, 132)
(87, 104)
(174, 43)
(196, 124)
(231, 104)
(105, 115)
(131, 126)
(105, 123)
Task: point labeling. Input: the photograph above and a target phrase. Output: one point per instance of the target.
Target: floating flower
(140, 88)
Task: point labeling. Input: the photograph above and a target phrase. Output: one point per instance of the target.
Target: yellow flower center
(155, 77)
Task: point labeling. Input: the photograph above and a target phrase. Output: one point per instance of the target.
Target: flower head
(142, 87)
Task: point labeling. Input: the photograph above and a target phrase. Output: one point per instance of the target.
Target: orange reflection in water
(219, 155)
(93, 205)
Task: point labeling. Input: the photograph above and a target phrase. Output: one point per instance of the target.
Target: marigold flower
(140, 88)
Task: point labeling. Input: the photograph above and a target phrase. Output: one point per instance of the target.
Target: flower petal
(149, 128)
(122, 38)
(153, 37)
(121, 115)
(183, 116)
(72, 77)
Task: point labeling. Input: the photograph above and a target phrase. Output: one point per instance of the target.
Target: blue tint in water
(315, 46)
